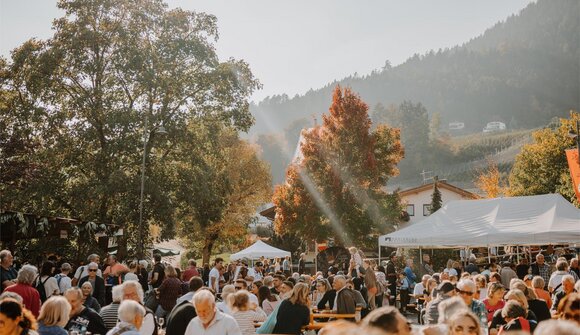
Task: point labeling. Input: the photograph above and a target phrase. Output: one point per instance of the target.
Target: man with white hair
(131, 316)
(209, 319)
(555, 282)
(567, 288)
(62, 279)
(8, 273)
(466, 288)
(110, 313)
(83, 271)
(345, 300)
(82, 318)
(132, 291)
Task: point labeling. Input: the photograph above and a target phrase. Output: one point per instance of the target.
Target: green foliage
(73, 110)
(436, 201)
(541, 167)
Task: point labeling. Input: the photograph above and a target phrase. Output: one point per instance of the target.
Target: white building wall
(424, 198)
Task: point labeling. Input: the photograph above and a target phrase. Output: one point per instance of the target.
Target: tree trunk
(206, 251)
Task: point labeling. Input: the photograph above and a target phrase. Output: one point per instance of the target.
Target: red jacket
(30, 297)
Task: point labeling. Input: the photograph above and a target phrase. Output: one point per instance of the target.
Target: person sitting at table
(88, 299)
(267, 300)
(345, 297)
(245, 313)
(294, 313)
(324, 294)
(358, 297)
(567, 288)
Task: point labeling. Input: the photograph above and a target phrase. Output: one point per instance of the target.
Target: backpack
(40, 288)
(58, 278)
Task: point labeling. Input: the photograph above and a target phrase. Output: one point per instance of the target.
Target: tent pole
(488, 254)
(420, 256)
(379, 251)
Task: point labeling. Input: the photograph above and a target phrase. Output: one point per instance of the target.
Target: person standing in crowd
(83, 271)
(574, 267)
(158, 273)
(302, 264)
(426, 266)
(8, 273)
(411, 277)
(184, 312)
(392, 277)
(215, 274)
(382, 285)
(15, 319)
(144, 275)
(54, 316)
(294, 313)
(507, 274)
(30, 296)
(286, 266)
(169, 291)
(540, 268)
(370, 281)
(132, 291)
(82, 319)
(97, 283)
(48, 281)
(555, 282)
(134, 272)
(110, 313)
(471, 267)
(115, 271)
(131, 316)
(190, 272)
(209, 319)
(256, 271)
(62, 279)
(523, 268)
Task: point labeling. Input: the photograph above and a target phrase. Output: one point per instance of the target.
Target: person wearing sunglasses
(97, 282)
(466, 289)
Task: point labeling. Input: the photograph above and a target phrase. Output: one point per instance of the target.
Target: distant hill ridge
(522, 71)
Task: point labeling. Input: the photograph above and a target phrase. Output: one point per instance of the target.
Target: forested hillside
(523, 71)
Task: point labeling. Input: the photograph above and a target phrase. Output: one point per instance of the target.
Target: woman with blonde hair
(294, 312)
(245, 313)
(54, 316)
(464, 322)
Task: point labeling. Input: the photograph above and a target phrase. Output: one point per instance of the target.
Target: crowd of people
(266, 296)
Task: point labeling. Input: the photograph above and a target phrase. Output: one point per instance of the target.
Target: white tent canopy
(531, 220)
(258, 250)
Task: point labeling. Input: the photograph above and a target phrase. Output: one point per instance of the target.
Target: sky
(293, 46)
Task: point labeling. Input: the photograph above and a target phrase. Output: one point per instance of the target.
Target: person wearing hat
(445, 291)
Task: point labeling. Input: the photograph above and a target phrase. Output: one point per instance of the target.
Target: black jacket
(98, 290)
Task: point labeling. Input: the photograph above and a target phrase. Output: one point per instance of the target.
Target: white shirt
(148, 325)
(257, 275)
(65, 282)
(214, 273)
(186, 297)
(556, 279)
(419, 289)
(222, 324)
(85, 272)
(50, 286)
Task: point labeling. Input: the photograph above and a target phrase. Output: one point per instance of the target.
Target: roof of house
(442, 185)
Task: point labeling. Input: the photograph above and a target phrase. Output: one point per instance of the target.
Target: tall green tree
(84, 95)
(336, 190)
(436, 201)
(541, 166)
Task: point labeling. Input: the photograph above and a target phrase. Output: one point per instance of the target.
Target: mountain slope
(523, 71)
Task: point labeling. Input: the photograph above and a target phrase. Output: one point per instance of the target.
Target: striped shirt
(246, 319)
(110, 315)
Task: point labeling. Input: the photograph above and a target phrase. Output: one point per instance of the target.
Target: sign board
(574, 164)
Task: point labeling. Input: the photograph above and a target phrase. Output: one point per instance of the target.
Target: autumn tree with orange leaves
(336, 190)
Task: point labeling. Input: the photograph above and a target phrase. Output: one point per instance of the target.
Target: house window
(411, 210)
(426, 209)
